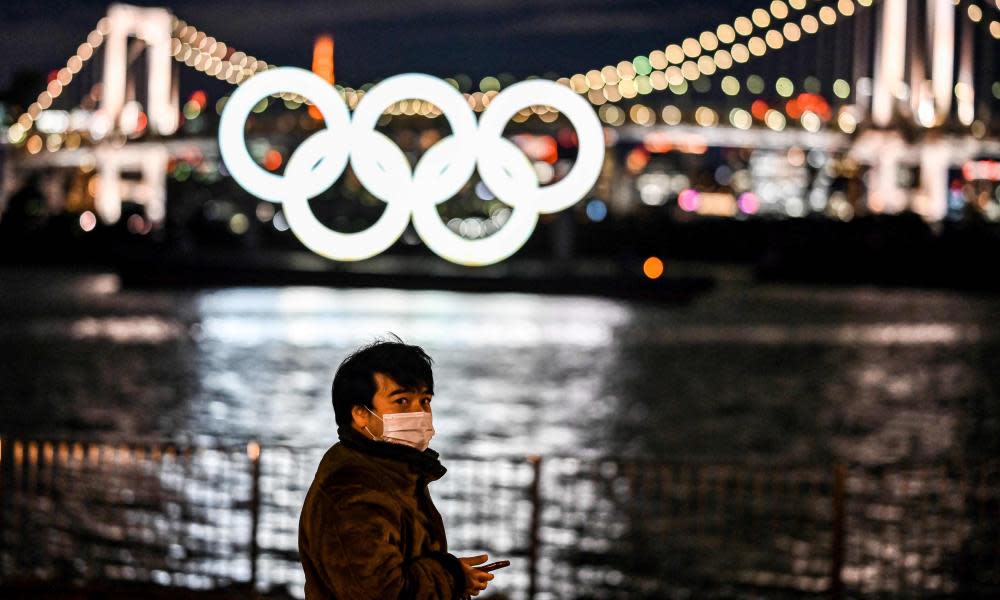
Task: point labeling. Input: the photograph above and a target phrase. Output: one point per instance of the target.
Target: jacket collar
(426, 463)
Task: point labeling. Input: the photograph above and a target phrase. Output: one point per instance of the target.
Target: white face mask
(414, 429)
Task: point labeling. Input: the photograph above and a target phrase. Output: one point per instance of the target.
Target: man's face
(390, 397)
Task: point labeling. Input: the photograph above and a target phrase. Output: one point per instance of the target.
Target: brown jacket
(369, 529)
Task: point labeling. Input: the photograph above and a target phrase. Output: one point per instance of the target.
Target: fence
(213, 517)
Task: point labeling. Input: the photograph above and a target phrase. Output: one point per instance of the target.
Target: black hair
(354, 382)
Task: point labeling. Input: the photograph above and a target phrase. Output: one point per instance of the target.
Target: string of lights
(644, 74)
(975, 13)
(18, 132)
(652, 72)
(747, 37)
(213, 57)
(698, 63)
(741, 118)
(694, 50)
(670, 68)
(688, 60)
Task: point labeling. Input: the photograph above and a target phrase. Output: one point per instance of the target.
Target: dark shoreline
(899, 251)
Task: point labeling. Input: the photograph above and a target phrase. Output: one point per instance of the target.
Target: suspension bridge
(880, 87)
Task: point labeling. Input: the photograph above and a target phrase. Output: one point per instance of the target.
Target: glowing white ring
(232, 145)
(586, 169)
(370, 156)
(318, 237)
(492, 249)
(384, 170)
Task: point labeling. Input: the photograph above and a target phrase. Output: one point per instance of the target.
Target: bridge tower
(914, 80)
(914, 64)
(153, 27)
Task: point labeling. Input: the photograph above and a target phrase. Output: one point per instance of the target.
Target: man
(369, 529)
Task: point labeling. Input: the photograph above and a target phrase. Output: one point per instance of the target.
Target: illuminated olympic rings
(383, 169)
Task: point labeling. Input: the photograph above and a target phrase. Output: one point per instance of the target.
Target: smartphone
(493, 566)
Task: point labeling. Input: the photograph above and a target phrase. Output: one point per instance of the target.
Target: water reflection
(512, 370)
(876, 378)
(859, 374)
(313, 317)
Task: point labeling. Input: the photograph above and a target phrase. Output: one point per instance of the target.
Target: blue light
(483, 192)
(597, 210)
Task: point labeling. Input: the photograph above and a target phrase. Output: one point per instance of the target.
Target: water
(772, 372)
(747, 375)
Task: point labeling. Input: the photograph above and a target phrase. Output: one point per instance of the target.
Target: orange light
(759, 109)
(636, 160)
(322, 65)
(814, 103)
(692, 145)
(653, 267)
(200, 99)
(657, 142)
(272, 160)
(986, 170)
(793, 108)
(253, 450)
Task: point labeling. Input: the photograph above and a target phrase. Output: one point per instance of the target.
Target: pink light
(88, 221)
(138, 226)
(689, 200)
(988, 170)
(749, 203)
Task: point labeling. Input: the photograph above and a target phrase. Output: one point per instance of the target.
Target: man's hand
(475, 580)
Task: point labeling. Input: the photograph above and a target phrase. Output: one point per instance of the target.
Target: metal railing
(206, 517)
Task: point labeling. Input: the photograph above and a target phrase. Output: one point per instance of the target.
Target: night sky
(376, 39)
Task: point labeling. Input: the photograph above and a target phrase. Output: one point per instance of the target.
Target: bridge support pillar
(883, 150)
(941, 17)
(932, 200)
(150, 161)
(890, 61)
